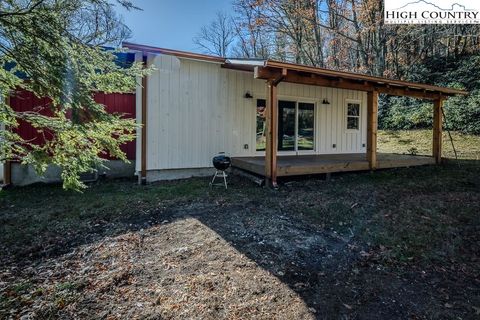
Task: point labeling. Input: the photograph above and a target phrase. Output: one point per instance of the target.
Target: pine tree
(55, 48)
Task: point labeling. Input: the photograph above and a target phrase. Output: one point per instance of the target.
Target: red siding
(24, 101)
(120, 103)
(114, 102)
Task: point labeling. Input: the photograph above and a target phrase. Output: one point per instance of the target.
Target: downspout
(143, 169)
(7, 174)
(7, 166)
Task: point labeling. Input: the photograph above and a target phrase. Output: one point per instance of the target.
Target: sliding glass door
(286, 125)
(306, 125)
(296, 123)
(296, 126)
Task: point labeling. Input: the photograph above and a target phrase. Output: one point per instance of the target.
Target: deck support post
(372, 126)
(437, 130)
(271, 143)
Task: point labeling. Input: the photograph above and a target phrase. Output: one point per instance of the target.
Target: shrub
(405, 113)
(462, 112)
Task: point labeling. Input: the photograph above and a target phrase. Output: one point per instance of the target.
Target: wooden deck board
(315, 164)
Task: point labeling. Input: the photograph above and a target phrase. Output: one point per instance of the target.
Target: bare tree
(338, 34)
(291, 28)
(253, 41)
(217, 37)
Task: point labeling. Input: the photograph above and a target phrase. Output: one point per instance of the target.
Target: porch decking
(327, 163)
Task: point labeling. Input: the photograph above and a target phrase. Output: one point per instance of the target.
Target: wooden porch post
(271, 143)
(372, 125)
(437, 130)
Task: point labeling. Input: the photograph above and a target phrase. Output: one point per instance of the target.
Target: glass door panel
(286, 125)
(306, 121)
(261, 137)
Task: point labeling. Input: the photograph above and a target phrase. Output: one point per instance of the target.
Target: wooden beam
(360, 77)
(372, 124)
(143, 168)
(294, 77)
(279, 78)
(313, 167)
(272, 136)
(437, 130)
(342, 83)
(408, 92)
(315, 80)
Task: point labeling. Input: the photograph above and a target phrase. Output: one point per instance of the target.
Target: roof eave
(355, 76)
(177, 53)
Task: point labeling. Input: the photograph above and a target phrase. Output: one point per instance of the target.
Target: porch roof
(349, 80)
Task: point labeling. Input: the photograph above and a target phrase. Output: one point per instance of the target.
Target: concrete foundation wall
(173, 174)
(119, 169)
(23, 175)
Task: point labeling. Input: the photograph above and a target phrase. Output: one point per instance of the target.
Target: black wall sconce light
(248, 95)
(325, 101)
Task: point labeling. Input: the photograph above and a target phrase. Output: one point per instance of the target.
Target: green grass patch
(43, 214)
(420, 214)
(420, 142)
(414, 214)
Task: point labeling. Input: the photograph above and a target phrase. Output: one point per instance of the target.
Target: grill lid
(221, 161)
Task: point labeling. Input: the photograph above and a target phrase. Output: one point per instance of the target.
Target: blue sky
(171, 23)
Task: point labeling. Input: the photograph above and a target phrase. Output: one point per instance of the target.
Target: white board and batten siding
(196, 109)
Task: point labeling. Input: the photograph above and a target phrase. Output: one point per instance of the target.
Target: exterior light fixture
(325, 101)
(248, 95)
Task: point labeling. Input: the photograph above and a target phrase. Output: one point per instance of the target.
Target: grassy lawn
(420, 142)
(36, 217)
(392, 244)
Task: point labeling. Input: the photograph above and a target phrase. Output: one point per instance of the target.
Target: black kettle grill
(221, 162)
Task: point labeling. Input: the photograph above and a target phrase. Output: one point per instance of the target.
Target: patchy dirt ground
(352, 248)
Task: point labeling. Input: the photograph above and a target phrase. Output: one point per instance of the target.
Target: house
(273, 118)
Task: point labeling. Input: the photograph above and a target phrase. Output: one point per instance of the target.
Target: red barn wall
(120, 103)
(24, 100)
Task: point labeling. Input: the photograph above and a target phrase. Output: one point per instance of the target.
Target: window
(353, 115)
(261, 125)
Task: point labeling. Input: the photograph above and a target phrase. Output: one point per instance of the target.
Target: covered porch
(292, 165)
(273, 165)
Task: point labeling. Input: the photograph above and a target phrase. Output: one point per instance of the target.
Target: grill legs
(219, 173)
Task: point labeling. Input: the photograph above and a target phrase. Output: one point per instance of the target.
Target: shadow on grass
(353, 246)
